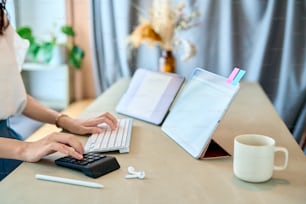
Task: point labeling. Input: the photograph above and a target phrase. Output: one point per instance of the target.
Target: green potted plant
(44, 50)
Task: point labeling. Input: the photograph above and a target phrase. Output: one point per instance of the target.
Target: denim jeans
(8, 165)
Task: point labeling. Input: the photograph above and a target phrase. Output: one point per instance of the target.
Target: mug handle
(285, 151)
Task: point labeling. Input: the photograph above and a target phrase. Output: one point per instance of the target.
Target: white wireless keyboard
(112, 140)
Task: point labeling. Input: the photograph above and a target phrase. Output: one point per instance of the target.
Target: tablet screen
(198, 110)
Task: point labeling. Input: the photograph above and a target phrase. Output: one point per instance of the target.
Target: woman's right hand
(55, 142)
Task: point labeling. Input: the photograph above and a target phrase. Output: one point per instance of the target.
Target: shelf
(49, 84)
(41, 66)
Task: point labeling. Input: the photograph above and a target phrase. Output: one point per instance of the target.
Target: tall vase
(167, 62)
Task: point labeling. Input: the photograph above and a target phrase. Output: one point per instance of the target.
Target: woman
(14, 100)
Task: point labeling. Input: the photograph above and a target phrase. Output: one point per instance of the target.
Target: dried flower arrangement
(162, 26)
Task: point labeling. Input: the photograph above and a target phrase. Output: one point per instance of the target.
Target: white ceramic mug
(254, 157)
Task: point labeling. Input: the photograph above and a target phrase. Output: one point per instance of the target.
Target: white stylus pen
(68, 181)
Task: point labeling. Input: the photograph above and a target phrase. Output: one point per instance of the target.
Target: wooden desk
(173, 176)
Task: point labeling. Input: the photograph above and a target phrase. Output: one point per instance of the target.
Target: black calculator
(93, 164)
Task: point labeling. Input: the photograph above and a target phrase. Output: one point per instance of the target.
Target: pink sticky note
(232, 75)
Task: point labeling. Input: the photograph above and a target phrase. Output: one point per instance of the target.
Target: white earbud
(135, 174)
(139, 175)
(131, 170)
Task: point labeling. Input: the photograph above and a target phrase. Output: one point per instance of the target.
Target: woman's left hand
(87, 126)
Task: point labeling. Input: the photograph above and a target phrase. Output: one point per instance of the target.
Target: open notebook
(195, 113)
(149, 95)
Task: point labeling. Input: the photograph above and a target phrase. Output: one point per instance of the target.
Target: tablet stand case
(214, 150)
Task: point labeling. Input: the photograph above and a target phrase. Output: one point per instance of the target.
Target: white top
(12, 91)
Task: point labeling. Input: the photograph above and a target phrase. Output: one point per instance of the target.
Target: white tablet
(198, 110)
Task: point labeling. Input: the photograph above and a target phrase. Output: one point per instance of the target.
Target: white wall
(10, 6)
(43, 16)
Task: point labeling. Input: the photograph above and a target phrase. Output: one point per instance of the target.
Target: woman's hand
(87, 126)
(55, 142)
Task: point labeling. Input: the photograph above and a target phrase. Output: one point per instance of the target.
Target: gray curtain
(266, 38)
